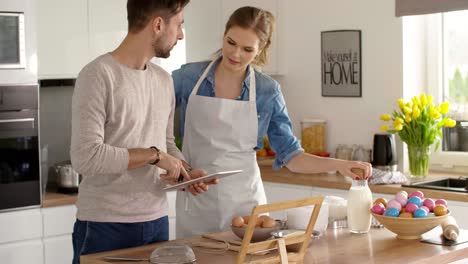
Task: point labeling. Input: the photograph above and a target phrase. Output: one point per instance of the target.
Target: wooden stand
(280, 243)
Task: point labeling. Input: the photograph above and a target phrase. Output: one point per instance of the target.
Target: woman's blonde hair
(262, 22)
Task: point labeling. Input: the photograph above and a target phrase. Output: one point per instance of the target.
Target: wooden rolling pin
(450, 228)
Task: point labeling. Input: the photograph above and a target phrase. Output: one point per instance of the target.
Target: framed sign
(341, 63)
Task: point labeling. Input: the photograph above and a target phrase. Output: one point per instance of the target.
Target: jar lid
(310, 120)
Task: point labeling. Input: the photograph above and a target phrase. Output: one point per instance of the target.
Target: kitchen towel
(387, 177)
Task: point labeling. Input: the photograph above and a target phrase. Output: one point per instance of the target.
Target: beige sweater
(114, 109)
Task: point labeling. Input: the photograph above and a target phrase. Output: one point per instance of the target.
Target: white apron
(220, 134)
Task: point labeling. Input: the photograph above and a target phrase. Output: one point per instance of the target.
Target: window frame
(453, 161)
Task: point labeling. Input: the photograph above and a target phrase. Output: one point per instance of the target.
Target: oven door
(19, 162)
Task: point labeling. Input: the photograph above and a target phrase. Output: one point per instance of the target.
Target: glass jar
(359, 205)
(344, 152)
(313, 135)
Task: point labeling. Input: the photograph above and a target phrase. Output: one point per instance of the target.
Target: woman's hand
(355, 169)
(199, 187)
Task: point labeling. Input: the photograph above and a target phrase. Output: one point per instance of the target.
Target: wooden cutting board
(226, 236)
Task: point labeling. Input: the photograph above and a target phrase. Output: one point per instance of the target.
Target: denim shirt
(273, 119)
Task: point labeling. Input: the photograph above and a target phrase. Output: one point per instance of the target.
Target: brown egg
(269, 222)
(381, 200)
(406, 215)
(259, 222)
(238, 221)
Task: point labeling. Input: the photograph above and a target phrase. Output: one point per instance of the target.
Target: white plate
(217, 175)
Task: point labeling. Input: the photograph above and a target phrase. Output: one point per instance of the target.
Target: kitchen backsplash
(55, 123)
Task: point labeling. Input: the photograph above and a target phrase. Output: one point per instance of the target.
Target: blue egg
(415, 200)
(420, 213)
(393, 212)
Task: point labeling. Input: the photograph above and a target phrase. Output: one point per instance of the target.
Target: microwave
(12, 40)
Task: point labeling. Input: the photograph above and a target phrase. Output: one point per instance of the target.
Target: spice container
(313, 135)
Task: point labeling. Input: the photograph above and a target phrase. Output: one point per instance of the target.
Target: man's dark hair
(140, 12)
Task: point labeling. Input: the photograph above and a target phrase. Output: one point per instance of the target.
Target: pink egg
(417, 193)
(410, 208)
(394, 204)
(401, 198)
(441, 201)
(378, 208)
(425, 208)
(429, 203)
(404, 193)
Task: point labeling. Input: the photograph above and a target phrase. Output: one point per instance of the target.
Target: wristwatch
(158, 157)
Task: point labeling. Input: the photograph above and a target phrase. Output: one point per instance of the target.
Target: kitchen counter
(336, 246)
(323, 180)
(53, 198)
(337, 181)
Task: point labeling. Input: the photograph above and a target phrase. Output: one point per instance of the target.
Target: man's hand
(173, 167)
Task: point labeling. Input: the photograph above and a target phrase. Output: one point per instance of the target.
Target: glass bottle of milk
(359, 205)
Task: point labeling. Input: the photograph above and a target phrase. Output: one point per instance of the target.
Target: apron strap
(252, 92)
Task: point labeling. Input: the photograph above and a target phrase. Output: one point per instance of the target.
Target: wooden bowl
(410, 228)
(259, 234)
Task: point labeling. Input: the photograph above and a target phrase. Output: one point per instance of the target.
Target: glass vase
(418, 160)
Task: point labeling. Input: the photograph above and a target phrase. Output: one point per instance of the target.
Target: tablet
(217, 175)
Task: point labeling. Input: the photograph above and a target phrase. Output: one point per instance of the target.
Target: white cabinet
(279, 192)
(20, 225)
(274, 60)
(58, 250)
(74, 32)
(62, 38)
(171, 199)
(29, 251)
(58, 228)
(20, 237)
(106, 31)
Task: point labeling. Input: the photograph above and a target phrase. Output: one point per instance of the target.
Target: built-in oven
(19, 147)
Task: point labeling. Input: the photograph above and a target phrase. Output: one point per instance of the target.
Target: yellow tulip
(409, 104)
(384, 128)
(416, 112)
(429, 98)
(416, 101)
(423, 99)
(434, 113)
(386, 117)
(401, 103)
(450, 123)
(444, 107)
(399, 120)
(398, 127)
(407, 110)
(408, 118)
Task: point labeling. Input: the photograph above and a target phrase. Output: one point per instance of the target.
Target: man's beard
(160, 51)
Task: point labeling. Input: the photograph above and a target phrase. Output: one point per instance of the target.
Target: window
(447, 79)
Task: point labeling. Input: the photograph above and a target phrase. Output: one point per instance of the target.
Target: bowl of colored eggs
(410, 216)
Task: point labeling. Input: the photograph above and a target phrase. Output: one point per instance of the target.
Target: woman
(226, 108)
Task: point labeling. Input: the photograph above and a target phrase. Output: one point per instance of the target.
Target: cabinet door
(278, 192)
(62, 38)
(107, 25)
(20, 225)
(29, 251)
(58, 250)
(229, 6)
(59, 220)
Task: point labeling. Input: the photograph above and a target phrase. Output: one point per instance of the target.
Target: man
(122, 135)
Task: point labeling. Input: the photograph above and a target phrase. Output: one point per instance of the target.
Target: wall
(350, 120)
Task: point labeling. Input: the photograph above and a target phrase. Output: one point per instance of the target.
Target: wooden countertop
(336, 246)
(323, 180)
(52, 198)
(337, 181)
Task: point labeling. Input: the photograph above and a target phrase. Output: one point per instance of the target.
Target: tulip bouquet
(418, 123)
